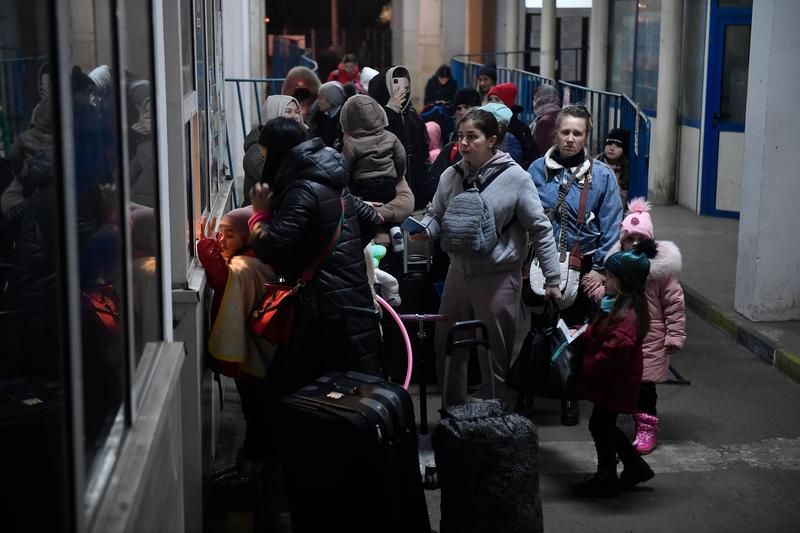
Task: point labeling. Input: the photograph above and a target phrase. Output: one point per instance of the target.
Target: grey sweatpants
(494, 300)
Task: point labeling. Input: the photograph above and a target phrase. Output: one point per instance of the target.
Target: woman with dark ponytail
(611, 369)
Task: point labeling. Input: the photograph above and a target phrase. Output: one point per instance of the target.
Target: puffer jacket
(409, 128)
(370, 150)
(306, 212)
(667, 318)
(611, 365)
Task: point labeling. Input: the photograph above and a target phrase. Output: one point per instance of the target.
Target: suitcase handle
(466, 325)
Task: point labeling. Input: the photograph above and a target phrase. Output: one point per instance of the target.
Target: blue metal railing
(609, 110)
(287, 55)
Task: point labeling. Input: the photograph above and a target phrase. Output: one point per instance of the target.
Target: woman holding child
(298, 208)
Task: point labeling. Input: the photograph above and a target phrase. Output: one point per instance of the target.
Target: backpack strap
(496, 171)
(582, 210)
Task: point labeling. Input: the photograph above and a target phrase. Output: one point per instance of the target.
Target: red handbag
(273, 317)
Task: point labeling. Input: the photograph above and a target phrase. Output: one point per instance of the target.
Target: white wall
(688, 166)
(768, 266)
(237, 63)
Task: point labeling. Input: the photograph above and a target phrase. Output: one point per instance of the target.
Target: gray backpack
(468, 222)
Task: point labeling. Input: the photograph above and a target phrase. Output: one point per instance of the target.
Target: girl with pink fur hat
(667, 319)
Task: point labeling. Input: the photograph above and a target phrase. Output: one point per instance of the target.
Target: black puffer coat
(411, 131)
(306, 212)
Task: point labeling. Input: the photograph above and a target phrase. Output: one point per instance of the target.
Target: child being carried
(376, 157)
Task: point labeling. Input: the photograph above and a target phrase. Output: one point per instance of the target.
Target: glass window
(187, 46)
(33, 414)
(622, 31)
(202, 102)
(96, 145)
(735, 63)
(143, 183)
(648, 33)
(694, 38)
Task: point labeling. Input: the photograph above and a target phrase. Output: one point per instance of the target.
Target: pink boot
(646, 429)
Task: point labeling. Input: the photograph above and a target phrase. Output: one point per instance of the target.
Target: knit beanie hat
(631, 267)
(467, 96)
(618, 135)
(490, 70)
(507, 93)
(333, 91)
(500, 111)
(236, 219)
(637, 221)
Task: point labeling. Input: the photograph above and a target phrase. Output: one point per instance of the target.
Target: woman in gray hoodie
(487, 286)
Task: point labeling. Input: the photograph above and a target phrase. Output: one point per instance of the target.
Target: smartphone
(400, 82)
(413, 226)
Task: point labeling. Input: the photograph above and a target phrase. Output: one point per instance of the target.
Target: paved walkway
(709, 248)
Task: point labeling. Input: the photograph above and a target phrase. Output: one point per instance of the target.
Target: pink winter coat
(667, 318)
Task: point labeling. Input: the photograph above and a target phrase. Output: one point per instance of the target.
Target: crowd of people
(336, 164)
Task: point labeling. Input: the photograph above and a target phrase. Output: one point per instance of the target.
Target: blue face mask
(607, 303)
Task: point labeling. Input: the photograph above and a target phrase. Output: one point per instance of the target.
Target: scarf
(571, 161)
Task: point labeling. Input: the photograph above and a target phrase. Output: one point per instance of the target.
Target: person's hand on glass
(261, 198)
(207, 226)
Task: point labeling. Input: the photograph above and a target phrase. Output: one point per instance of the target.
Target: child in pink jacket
(667, 319)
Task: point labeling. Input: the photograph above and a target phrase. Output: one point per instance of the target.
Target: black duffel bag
(547, 365)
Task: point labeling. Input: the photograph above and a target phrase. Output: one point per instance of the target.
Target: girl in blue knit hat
(611, 370)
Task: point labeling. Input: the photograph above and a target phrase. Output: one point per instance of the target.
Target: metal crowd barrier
(609, 110)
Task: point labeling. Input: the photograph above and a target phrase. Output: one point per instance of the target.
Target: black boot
(603, 484)
(570, 415)
(636, 471)
(635, 468)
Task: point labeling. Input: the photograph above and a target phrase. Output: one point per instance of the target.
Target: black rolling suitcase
(487, 461)
(349, 448)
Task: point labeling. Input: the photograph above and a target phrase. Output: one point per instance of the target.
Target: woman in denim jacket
(566, 164)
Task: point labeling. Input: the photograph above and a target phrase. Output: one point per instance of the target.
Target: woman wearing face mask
(487, 285)
(560, 176)
(277, 105)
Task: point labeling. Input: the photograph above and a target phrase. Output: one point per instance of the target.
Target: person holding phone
(488, 285)
(391, 87)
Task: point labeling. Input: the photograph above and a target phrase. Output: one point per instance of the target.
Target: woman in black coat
(297, 209)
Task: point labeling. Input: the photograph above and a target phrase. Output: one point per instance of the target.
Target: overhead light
(266, 20)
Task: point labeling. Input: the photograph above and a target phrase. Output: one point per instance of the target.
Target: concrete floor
(728, 460)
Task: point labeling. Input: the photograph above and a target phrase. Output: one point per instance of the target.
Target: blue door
(726, 99)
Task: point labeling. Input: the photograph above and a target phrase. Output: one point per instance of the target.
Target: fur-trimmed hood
(666, 262)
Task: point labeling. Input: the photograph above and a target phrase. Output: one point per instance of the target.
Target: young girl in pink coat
(667, 319)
